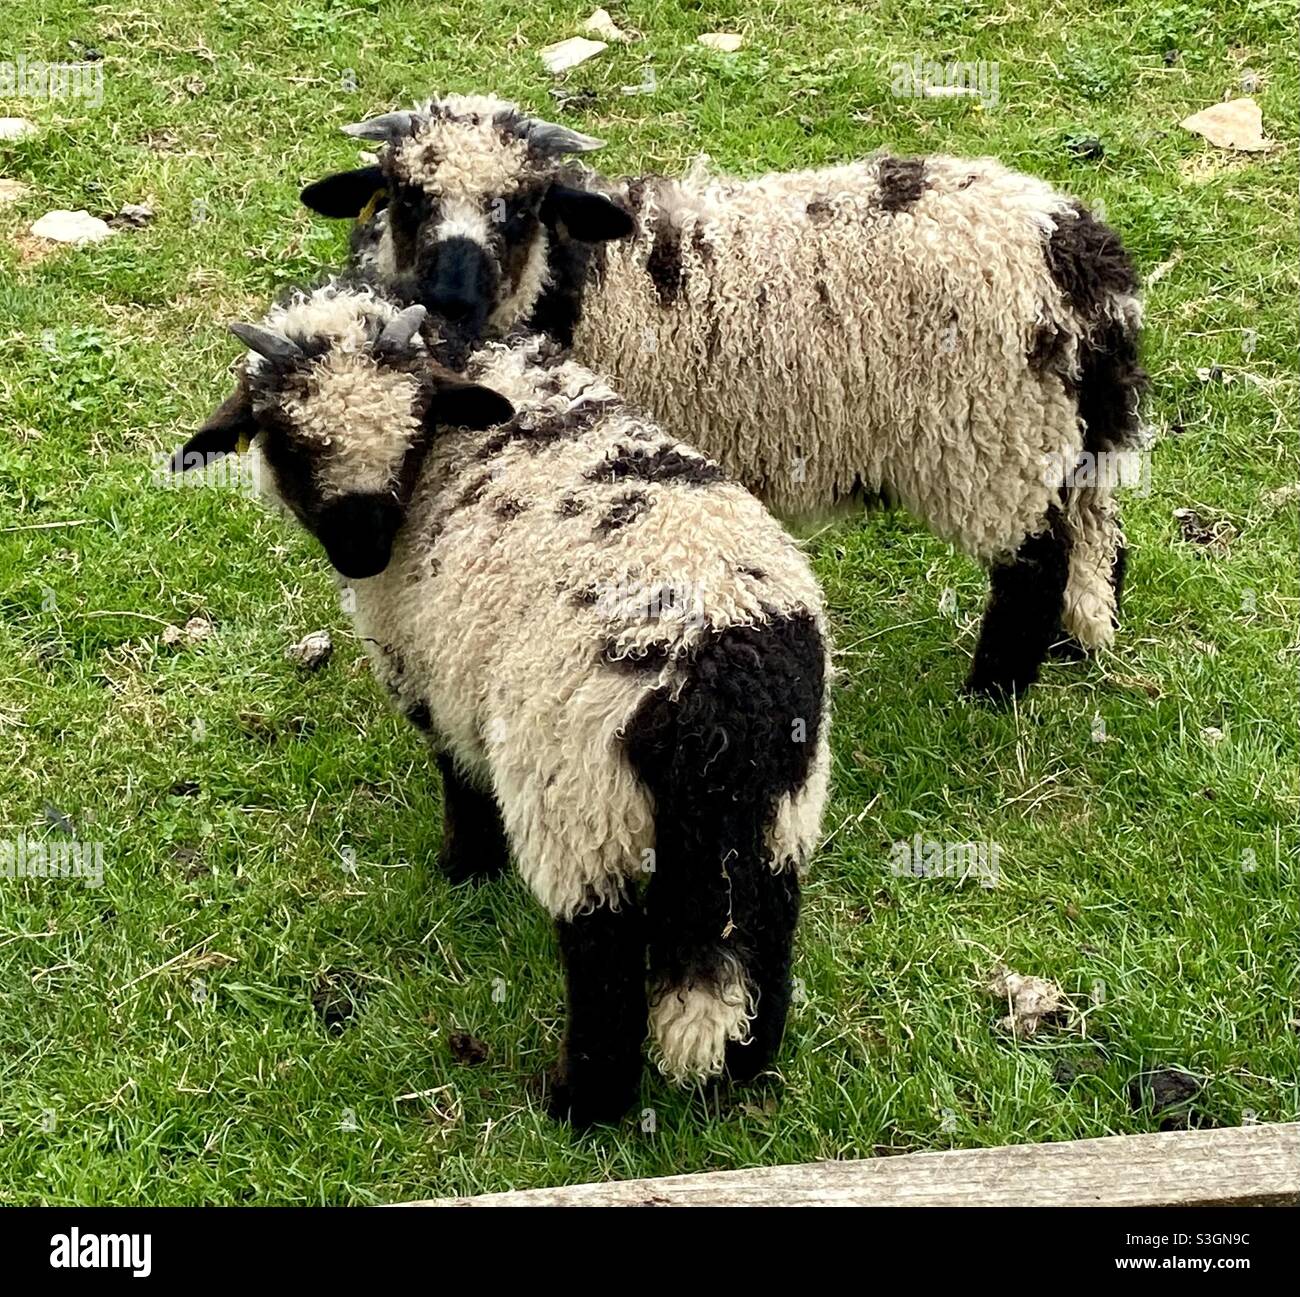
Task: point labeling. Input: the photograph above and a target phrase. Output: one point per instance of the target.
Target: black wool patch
(537, 429)
(1088, 262)
(571, 266)
(626, 509)
(663, 464)
(571, 507)
(1046, 352)
(819, 211)
(664, 264)
(902, 182)
(1109, 387)
(717, 757)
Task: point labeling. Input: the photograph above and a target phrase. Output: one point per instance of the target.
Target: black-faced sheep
(603, 637)
(949, 335)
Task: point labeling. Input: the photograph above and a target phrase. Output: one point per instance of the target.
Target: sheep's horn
(399, 331)
(549, 137)
(385, 127)
(266, 342)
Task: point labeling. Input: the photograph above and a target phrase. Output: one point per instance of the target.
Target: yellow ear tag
(369, 209)
(244, 442)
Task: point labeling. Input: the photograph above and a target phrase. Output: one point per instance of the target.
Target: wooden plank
(1243, 1165)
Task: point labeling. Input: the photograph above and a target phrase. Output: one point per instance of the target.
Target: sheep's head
(473, 193)
(340, 400)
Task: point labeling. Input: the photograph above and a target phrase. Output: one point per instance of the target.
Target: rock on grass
(312, 651)
(71, 227)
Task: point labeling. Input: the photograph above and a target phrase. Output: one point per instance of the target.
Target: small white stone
(195, 631)
(602, 25)
(312, 651)
(723, 42)
(14, 128)
(564, 55)
(11, 191)
(71, 227)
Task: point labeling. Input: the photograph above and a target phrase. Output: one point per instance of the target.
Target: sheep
(619, 658)
(946, 335)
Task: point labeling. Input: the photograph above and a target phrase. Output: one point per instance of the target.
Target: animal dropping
(1032, 1001)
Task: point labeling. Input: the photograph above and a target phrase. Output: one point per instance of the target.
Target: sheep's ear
(458, 404)
(221, 433)
(344, 194)
(593, 218)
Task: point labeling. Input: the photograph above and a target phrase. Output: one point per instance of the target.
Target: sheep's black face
(475, 195)
(341, 423)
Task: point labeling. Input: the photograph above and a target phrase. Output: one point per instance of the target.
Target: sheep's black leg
(604, 959)
(473, 839)
(770, 916)
(1023, 616)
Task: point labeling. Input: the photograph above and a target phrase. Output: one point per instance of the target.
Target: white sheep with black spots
(619, 657)
(949, 335)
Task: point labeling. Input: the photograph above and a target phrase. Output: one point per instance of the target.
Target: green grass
(163, 1038)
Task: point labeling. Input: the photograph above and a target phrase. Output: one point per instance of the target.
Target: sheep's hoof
(468, 865)
(996, 690)
(596, 1101)
(1068, 649)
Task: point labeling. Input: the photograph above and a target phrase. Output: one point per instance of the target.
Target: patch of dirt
(1197, 528)
(468, 1049)
(1069, 1067)
(1167, 1093)
(336, 997)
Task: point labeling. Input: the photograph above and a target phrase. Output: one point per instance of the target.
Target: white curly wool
(505, 609)
(867, 328)
(690, 1027)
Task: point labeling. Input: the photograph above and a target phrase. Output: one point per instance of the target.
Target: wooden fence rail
(1243, 1165)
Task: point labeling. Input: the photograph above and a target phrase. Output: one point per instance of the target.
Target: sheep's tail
(723, 759)
(722, 923)
(1093, 589)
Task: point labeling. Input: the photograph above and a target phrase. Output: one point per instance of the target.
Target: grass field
(262, 1001)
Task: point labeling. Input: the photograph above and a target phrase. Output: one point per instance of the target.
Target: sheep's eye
(519, 220)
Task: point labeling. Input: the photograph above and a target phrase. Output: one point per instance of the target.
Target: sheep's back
(866, 327)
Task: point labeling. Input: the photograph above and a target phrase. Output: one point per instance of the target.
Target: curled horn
(548, 137)
(399, 331)
(386, 127)
(266, 342)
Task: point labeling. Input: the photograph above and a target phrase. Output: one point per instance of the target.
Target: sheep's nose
(452, 306)
(461, 282)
